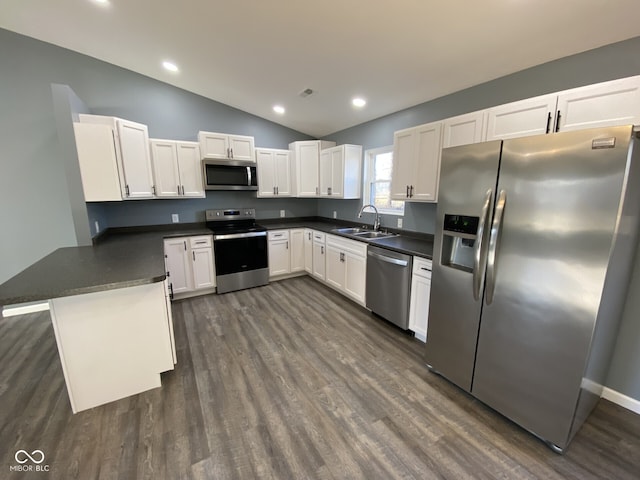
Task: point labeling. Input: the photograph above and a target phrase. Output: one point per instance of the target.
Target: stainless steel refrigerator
(533, 252)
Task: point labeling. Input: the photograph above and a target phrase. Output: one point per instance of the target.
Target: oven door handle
(231, 236)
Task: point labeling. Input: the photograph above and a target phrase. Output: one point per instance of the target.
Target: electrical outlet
(335, 214)
(175, 218)
(282, 213)
(97, 226)
(399, 223)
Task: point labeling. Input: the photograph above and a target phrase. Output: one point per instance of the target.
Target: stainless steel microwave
(229, 175)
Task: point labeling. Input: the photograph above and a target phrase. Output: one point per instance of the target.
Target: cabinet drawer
(278, 235)
(319, 237)
(422, 267)
(201, 241)
(352, 246)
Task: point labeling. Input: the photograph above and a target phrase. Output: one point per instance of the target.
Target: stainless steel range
(240, 249)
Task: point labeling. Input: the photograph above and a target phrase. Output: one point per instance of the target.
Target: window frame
(368, 179)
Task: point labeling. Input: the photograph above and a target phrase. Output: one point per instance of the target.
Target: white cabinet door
(241, 148)
(274, 172)
(279, 255)
(203, 271)
(325, 173)
(297, 239)
(282, 168)
(307, 156)
(419, 308)
(136, 161)
(355, 277)
(335, 266)
(308, 251)
(176, 257)
(404, 145)
(165, 168)
(190, 169)
(319, 255)
(337, 172)
(98, 162)
(213, 145)
(533, 116)
(424, 184)
(420, 295)
(605, 104)
(266, 173)
(464, 129)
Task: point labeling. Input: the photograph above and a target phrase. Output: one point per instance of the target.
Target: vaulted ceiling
(255, 54)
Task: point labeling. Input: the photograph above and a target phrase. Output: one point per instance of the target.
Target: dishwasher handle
(395, 261)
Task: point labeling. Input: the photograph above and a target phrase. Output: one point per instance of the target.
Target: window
(377, 181)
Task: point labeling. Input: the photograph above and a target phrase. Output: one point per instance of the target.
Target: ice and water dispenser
(458, 239)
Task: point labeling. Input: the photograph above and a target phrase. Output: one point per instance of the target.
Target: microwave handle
(249, 176)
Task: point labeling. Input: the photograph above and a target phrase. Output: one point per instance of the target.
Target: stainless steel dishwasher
(389, 284)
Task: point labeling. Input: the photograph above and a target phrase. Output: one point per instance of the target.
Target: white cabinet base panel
(112, 344)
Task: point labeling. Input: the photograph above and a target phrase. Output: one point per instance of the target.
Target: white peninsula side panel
(112, 344)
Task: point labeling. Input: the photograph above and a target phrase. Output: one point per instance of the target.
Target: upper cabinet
(177, 169)
(341, 171)
(533, 116)
(274, 172)
(305, 160)
(416, 163)
(464, 129)
(130, 154)
(601, 105)
(226, 147)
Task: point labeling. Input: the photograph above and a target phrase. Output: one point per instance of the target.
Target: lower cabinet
(346, 266)
(420, 295)
(308, 251)
(286, 252)
(190, 265)
(319, 255)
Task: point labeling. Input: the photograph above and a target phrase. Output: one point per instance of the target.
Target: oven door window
(240, 254)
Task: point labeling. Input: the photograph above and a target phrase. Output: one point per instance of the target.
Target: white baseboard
(622, 400)
(24, 308)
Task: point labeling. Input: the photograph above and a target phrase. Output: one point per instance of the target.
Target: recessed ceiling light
(359, 102)
(278, 109)
(101, 2)
(172, 67)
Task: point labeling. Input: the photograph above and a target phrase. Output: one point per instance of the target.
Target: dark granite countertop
(129, 257)
(412, 243)
(118, 260)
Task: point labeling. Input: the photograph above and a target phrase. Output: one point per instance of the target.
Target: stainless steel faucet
(376, 222)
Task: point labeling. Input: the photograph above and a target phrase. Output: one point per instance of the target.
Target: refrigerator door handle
(493, 246)
(479, 255)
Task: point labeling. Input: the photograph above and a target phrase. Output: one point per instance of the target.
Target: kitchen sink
(372, 234)
(350, 230)
(362, 233)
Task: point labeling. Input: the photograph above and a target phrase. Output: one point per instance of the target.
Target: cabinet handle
(548, 123)
(316, 190)
(194, 255)
(182, 189)
(201, 242)
(231, 152)
(228, 152)
(425, 268)
(407, 191)
(558, 121)
(178, 189)
(277, 190)
(185, 245)
(341, 256)
(274, 190)
(309, 235)
(411, 191)
(171, 291)
(153, 189)
(321, 250)
(126, 188)
(287, 245)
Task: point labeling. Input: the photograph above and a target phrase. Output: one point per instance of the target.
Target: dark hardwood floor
(287, 381)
